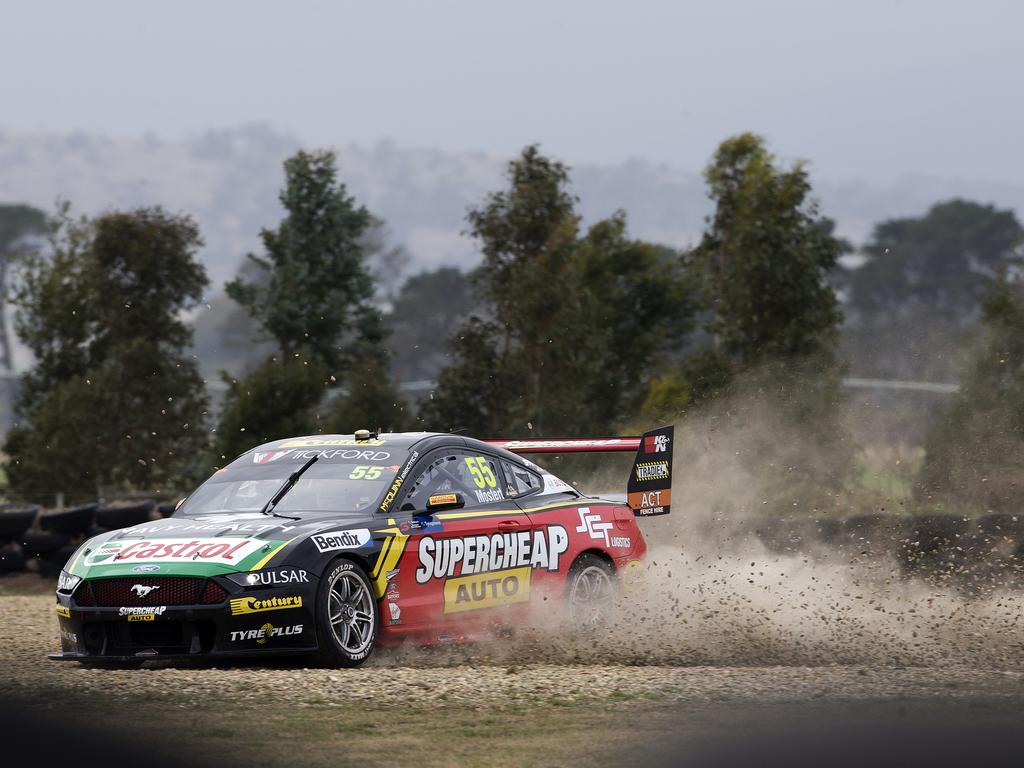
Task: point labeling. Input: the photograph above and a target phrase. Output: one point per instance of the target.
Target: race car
(332, 545)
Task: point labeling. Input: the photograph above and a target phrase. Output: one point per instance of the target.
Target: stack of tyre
(43, 541)
(986, 551)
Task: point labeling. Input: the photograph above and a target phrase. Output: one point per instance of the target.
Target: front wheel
(346, 615)
(591, 592)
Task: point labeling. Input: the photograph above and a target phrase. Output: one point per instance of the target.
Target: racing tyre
(347, 618)
(590, 592)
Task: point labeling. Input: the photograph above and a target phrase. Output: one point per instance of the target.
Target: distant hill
(229, 181)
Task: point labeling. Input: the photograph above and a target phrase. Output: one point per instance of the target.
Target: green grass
(228, 732)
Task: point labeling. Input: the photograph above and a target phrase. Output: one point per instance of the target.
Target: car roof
(399, 440)
(394, 439)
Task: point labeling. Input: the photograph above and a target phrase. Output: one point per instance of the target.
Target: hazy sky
(870, 89)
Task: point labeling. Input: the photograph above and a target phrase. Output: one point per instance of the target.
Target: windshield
(327, 486)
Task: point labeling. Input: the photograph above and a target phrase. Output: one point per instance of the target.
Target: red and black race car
(333, 544)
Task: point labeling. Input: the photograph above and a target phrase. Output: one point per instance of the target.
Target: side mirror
(441, 501)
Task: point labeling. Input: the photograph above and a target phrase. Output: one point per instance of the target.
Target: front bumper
(247, 622)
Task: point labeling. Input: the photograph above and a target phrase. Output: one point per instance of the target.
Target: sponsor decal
(145, 569)
(222, 550)
(621, 541)
(554, 485)
(421, 525)
(142, 617)
(63, 610)
(465, 556)
(487, 590)
(276, 577)
(243, 605)
(142, 590)
(487, 496)
(340, 454)
(265, 633)
(396, 484)
(335, 540)
(66, 582)
(69, 637)
(265, 457)
(248, 529)
(633, 576)
(150, 611)
(396, 614)
(656, 443)
(443, 498)
(592, 525)
(300, 454)
(514, 445)
(314, 442)
(652, 470)
(650, 502)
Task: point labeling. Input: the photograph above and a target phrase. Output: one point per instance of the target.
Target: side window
(520, 481)
(476, 477)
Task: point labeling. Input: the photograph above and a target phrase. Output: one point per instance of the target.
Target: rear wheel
(591, 592)
(346, 614)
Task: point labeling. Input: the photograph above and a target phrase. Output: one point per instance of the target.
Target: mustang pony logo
(142, 590)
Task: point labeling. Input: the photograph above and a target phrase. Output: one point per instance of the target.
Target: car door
(449, 580)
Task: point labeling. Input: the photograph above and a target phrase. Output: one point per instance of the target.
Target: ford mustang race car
(334, 544)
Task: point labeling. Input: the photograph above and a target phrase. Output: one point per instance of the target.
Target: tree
(972, 459)
(771, 375)
(113, 401)
(17, 222)
(317, 284)
(425, 313)
(314, 297)
(922, 284)
(277, 399)
(570, 326)
(765, 258)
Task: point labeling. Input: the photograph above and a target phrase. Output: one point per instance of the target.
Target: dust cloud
(720, 587)
(715, 593)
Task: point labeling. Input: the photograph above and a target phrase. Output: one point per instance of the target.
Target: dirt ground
(467, 706)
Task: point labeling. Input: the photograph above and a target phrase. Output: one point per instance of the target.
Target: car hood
(209, 545)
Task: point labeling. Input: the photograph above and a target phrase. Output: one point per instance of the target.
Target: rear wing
(649, 491)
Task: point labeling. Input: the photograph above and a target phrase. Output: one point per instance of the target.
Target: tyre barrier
(73, 521)
(124, 515)
(43, 542)
(15, 520)
(873, 534)
(11, 559)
